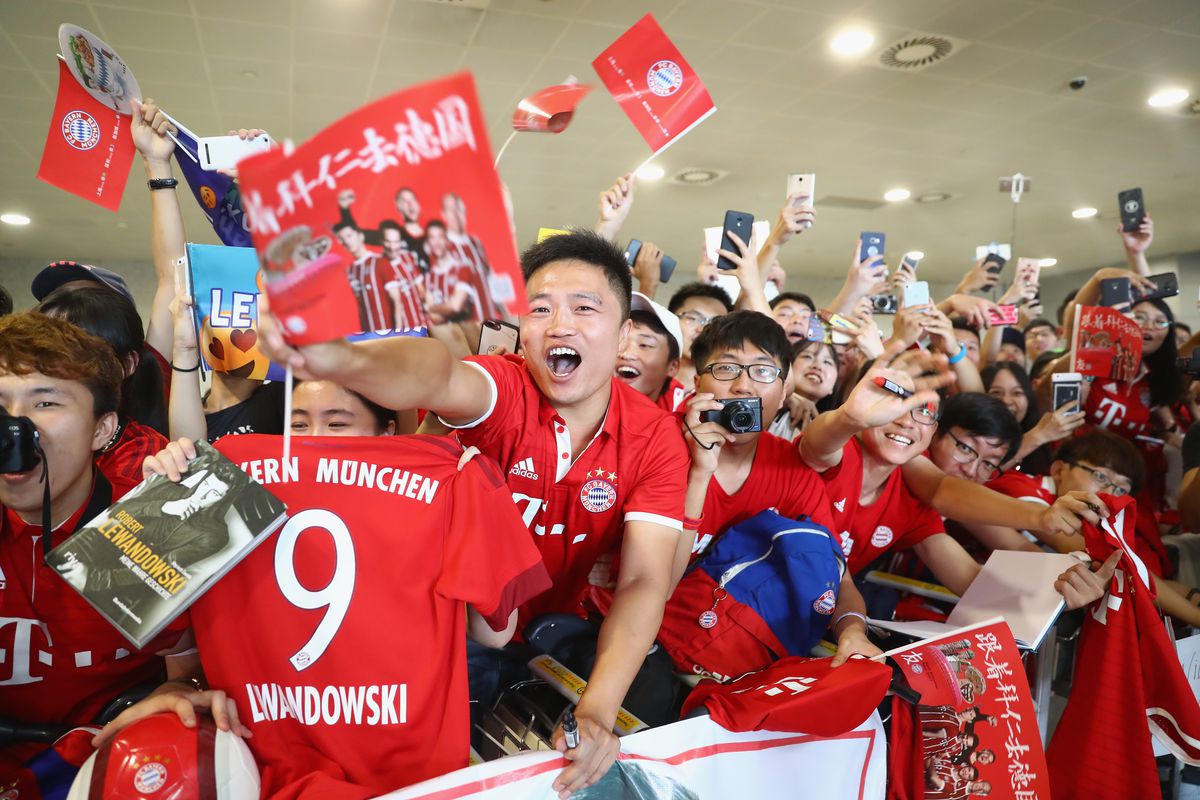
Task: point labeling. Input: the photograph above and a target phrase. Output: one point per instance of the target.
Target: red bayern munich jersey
(779, 479)
(895, 521)
(1121, 408)
(63, 662)
(1019, 486)
(671, 400)
(635, 469)
(343, 638)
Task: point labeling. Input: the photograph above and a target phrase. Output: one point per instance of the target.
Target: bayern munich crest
(150, 777)
(599, 493)
(825, 603)
(81, 130)
(664, 78)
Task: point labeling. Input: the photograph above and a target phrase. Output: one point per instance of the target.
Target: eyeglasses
(1106, 483)
(1144, 321)
(695, 318)
(728, 371)
(965, 454)
(924, 415)
(788, 313)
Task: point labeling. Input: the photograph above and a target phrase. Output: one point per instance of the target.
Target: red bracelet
(690, 524)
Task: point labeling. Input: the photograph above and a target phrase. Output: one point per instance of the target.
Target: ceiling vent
(853, 203)
(918, 51)
(697, 176)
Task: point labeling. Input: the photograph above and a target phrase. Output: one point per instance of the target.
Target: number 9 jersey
(343, 637)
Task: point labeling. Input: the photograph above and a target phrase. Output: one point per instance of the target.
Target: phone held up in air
(742, 224)
(916, 294)
(870, 246)
(1133, 209)
(665, 267)
(1115, 293)
(1065, 386)
(224, 152)
(1003, 315)
(994, 262)
(1166, 285)
(496, 334)
(802, 184)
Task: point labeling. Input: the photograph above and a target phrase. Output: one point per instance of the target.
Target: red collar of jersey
(548, 413)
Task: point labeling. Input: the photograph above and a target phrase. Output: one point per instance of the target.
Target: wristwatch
(162, 183)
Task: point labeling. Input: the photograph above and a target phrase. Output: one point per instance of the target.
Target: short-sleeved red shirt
(1122, 408)
(779, 479)
(895, 521)
(342, 638)
(63, 662)
(1019, 486)
(635, 469)
(671, 400)
(122, 463)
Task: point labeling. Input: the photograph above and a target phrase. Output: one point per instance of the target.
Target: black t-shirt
(262, 412)
(1191, 447)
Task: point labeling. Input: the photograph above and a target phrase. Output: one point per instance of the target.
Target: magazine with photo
(149, 556)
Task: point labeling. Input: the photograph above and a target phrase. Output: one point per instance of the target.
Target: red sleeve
(1019, 486)
(658, 494)
(843, 484)
(923, 522)
(506, 375)
(489, 559)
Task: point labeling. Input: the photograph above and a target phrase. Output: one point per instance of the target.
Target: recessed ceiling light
(1086, 212)
(852, 41)
(915, 255)
(896, 195)
(932, 197)
(1167, 97)
(14, 219)
(651, 172)
(1047, 262)
(249, 74)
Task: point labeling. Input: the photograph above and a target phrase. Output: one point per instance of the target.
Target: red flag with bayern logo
(657, 89)
(89, 148)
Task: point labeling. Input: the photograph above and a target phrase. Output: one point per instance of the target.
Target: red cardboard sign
(88, 148)
(976, 719)
(549, 110)
(657, 89)
(401, 195)
(1107, 344)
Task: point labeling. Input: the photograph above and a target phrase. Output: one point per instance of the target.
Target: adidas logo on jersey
(525, 469)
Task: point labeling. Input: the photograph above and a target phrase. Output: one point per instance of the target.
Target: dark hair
(981, 415)
(689, 290)
(109, 316)
(961, 324)
(830, 401)
(342, 224)
(739, 328)
(1032, 413)
(1040, 363)
(1012, 336)
(651, 321)
(1062, 307)
(6, 302)
(1107, 450)
(435, 223)
(588, 247)
(1040, 322)
(388, 225)
(795, 297)
(33, 342)
(1166, 382)
(382, 415)
(1176, 325)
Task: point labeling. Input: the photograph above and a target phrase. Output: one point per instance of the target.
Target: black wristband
(162, 183)
(189, 369)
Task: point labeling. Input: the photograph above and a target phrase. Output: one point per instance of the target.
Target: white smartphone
(497, 334)
(1065, 387)
(224, 152)
(1029, 269)
(916, 293)
(803, 183)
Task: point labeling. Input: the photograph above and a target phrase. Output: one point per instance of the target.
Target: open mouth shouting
(563, 361)
(628, 373)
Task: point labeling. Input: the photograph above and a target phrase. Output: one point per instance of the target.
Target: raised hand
(977, 279)
(917, 371)
(148, 128)
(615, 203)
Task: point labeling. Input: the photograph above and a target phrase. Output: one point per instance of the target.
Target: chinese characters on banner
(655, 87)
(390, 218)
(88, 148)
(976, 722)
(1107, 344)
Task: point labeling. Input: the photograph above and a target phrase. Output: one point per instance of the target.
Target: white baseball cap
(640, 302)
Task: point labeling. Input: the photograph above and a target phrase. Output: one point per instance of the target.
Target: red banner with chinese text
(88, 148)
(975, 731)
(1107, 344)
(657, 89)
(391, 217)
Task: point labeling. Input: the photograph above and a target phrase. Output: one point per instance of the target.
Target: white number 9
(335, 596)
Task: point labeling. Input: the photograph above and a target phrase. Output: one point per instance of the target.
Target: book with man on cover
(149, 556)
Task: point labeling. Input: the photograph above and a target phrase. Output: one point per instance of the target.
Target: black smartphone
(994, 262)
(1133, 209)
(1168, 286)
(631, 251)
(742, 224)
(1114, 293)
(870, 245)
(495, 334)
(665, 268)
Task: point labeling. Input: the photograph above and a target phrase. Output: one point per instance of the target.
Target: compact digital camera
(884, 304)
(738, 414)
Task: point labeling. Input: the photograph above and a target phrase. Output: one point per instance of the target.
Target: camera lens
(741, 421)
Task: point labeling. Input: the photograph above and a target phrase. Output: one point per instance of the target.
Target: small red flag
(658, 90)
(549, 110)
(89, 148)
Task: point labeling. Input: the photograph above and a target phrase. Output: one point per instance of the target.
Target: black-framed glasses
(1102, 478)
(965, 454)
(729, 371)
(924, 415)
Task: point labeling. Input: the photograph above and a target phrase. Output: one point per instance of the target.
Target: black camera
(18, 444)
(738, 415)
(884, 304)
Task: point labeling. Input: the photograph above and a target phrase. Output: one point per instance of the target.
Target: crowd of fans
(607, 425)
